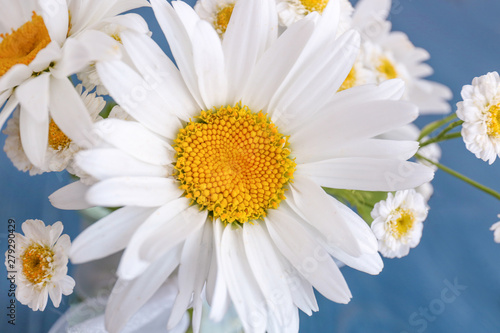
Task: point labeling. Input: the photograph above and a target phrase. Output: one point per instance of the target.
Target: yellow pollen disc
(314, 5)
(350, 80)
(234, 163)
(493, 121)
(57, 139)
(387, 69)
(36, 261)
(22, 45)
(403, 223)
(222, 19)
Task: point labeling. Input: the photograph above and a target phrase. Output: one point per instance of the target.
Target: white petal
(307, 256)
(193, 270)
(134, 139)
(71, 197)
(387, 90)
(266, 76)
(56, 18)
(134, 94)
(51, 53)
(15, 76)
(248, 301)
(252, 28)
(9, 107)
(265, 264)
(33, 96)
(34, 136)
(367, 174)
(331, 219)
(338, 125)
(161, 74)
(164, 229)
(220, 297)
(127, 297)
(108, 235)
(134, 191)
(55, 294)
(70, 113)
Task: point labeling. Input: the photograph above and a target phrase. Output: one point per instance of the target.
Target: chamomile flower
(392, 55)
(480, 111)
(216, 12)
(290, 11)
(220, 175)
(41, 44)
(398, 222)
(496, 231)
(61, 149)
(40, 264)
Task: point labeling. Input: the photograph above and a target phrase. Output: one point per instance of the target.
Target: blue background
(463, 37)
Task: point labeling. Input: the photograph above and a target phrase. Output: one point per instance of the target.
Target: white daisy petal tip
(40, 265)
(398, 222)
(496, 231)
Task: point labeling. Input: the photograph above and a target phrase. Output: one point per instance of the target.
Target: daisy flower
(60, 150)
(392, 55)
(220, 175)
(290, 11)
(40, 264)
(41, 44)
(216, 12)
(480, 111)
(398, 222)
(496, 231)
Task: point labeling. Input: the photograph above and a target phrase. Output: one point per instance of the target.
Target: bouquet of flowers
(236, 177)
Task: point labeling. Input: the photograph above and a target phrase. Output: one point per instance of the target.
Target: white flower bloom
(398, 222)
(40, 262)
(60, 150)
(496, 231)
(480, 111)
(52, 40)
(290, 11)
(202, 175)
(392, 55)
(216, 12)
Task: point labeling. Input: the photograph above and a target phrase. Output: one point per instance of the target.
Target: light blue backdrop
(463, 37)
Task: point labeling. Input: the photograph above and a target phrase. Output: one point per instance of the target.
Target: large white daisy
(221, 174)
(41, 44)
(390, 55)
(39, 264)
(480, 111)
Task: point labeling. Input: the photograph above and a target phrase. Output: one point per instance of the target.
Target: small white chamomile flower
(398, 222)
(480, 111)
(40, 264)
(216, 12)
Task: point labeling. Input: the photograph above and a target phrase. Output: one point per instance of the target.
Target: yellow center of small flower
(234, 163)
(493, 122)
(23, 44)
(350, 80)
(403, 223)
(36, 261)
(387, 69)
(222, 18)
(57, 139)
(314, 5)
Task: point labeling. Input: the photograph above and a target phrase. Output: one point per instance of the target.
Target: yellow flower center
(350, 80)
(57, 139)
(36, 261)
(23, 44)
(387, 69)
(314, 5)
(222, 18)
(493, 121)
(403, 223)
(234, 163)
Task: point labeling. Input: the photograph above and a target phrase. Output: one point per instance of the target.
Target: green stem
(462, 177)
(441, 138)
(435, 125)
